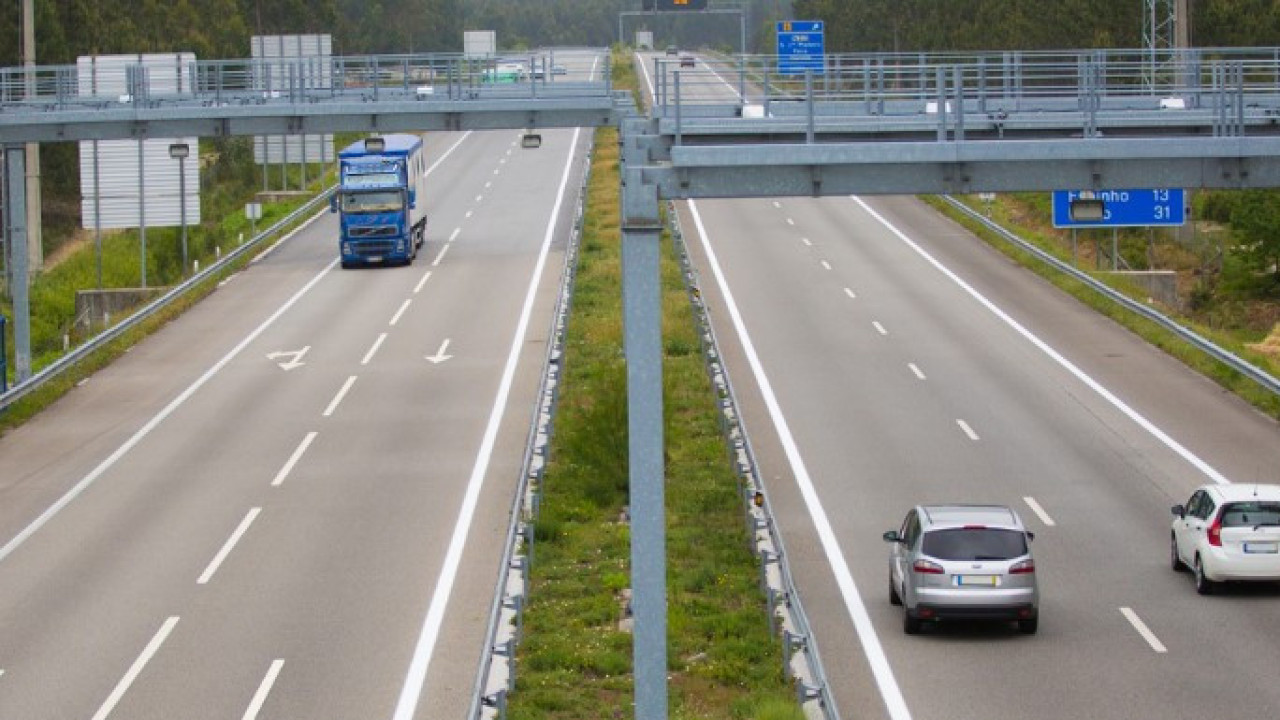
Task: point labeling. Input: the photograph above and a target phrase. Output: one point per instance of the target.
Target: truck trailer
(381, 200)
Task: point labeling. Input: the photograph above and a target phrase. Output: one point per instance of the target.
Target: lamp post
(179, 152)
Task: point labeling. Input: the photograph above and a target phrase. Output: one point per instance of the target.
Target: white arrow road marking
(295, 358)
(440, 357)
(136, 669)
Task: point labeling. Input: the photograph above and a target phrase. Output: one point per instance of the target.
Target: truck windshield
(366, 202)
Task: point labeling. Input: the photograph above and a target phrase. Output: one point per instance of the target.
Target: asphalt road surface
(290, 502)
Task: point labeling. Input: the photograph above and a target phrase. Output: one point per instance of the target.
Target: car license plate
(982, 580)
(1260, 547)
(374, 258)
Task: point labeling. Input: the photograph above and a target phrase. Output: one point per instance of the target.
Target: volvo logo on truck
(380, 201)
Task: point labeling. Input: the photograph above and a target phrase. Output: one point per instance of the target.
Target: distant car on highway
(686, 61)
(1227, 533)
(559, 70)
(963, 562)
(673, 50)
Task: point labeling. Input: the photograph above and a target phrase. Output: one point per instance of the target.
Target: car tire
(1204, 585)
(894, 598)
(911, 625)
(1175, 562)
(1029, 627)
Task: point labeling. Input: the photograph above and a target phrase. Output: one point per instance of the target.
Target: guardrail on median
(1226, 357)
(496, 675)
(787, 617)
(106, 336)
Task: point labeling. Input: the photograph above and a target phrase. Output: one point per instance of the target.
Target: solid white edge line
(915, 369)
(160, 417)
(880, 668)
(1143, 630)
(1066, 364)
(373, 350)
(136, 669)
(417, 289)
(403, 306)
(417, 674)
(440, 257)
(967, 430)
(446, 154)
(227, 547)
(294, 458)
(264, 689)
(644, 69)
(1039, 511)
(342, 392)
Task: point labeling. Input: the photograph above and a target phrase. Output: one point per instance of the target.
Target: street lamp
(179, 152)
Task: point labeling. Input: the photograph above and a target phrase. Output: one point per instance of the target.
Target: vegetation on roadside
(1235, 316)
(574, 660)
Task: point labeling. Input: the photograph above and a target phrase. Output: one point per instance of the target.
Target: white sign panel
(286, 61)
(122, 178)
(479, 43)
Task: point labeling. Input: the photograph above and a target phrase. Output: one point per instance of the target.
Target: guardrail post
(4, 359)
(808, 95)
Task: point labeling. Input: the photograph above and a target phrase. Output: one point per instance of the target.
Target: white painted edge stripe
(440, 257)
(264, 689)
(422, 282)
(239, 532)
(416, 677)
(1143, 630)
(160, 417)
(136, 669)
(915, 369)
(374, 349)
(1039, 511)
(294, 458)
(880, 668)
(342, 392)
(1133, 415)
(403, 306)
(454, 235)
(967, 430)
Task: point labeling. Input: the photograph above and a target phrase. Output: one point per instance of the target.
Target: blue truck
(381, 200)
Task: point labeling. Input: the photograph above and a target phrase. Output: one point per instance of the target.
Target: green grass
(1158, 336)
(574, 661)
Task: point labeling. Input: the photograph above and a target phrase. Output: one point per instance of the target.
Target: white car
(1227, 533)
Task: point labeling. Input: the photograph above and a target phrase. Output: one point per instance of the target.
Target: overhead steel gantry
(869, 124)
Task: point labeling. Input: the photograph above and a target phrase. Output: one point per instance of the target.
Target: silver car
(963, 562)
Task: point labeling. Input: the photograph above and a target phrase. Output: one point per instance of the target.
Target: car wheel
(911, 625)
(1175, 562)
(1029, 627)
(894, 598)
(1204, 585)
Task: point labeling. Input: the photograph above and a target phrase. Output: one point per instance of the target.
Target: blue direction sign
(801, 47)
(1123, 208)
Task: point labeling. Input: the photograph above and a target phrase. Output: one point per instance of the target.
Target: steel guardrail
(787, 617)
(1263, 378)
(512, 585)
(61, 365)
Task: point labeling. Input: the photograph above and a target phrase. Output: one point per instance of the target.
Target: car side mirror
(1031, 535)
(892, 537)
(413, 199)
(333, 203)
(1179, 510)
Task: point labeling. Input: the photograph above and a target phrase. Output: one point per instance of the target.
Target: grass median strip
(574, 660)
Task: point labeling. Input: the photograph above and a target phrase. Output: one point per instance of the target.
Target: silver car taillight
(927, 568)
(1023, 568)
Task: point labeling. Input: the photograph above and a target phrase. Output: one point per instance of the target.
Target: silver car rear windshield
(1251, 514)
(975, 544)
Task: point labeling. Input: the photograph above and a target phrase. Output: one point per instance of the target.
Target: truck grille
(366, 248)
(372, 231)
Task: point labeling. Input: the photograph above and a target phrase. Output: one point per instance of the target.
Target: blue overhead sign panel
(801, 47)
(1122, 208)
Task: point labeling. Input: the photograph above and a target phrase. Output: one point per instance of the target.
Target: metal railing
(1266, 380)
(436, 76)
(787, 618)
(106, 336)
(496, 674)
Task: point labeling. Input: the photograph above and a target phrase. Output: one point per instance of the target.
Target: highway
(884, 357)
(290, 502)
